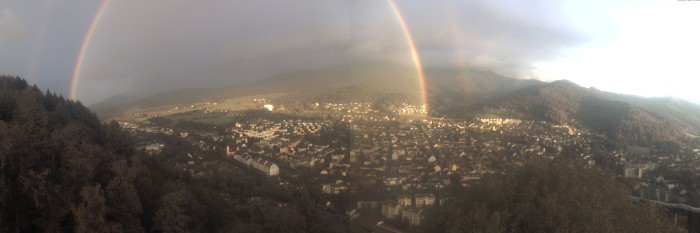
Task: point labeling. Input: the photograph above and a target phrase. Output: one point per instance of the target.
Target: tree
(123, 199)
(90, 213)
(548, 196)
(283, 219)
(172, 217)
(61, 170)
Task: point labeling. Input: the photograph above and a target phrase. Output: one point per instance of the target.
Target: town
(385, 169)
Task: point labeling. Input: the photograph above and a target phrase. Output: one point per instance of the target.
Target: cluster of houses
(258, 163)
(408, 109)
(663, 177)
(403, 156)
(410, 156)
(352, 108)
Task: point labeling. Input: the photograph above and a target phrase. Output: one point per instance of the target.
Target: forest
(620, 119)
(560, 195)
(62, 170)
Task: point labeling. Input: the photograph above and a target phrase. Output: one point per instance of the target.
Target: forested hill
(61, 170)
(627, 119)
(546, 196)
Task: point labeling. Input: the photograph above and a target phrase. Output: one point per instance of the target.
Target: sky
(645, 47)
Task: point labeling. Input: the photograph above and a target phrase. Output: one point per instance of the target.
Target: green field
(638, 150)
(219, 119)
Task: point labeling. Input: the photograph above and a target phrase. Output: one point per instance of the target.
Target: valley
(399, 164)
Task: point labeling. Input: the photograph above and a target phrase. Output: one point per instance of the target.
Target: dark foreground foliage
(547, 196)
(62, 170)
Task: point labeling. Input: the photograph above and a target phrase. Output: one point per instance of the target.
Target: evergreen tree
(171, 217)
(547, 196)
(90, 213)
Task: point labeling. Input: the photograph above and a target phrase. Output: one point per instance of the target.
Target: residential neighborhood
(396, 166)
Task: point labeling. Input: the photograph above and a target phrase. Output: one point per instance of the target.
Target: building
(634, 171)
(390, 209)
(425, 199)
(229, 152)
(371, 205)
(260, 164)
(414, 215)
(271, 169)
(404, 200)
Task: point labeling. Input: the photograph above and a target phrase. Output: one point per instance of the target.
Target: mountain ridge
(464, 94)
(620, 117)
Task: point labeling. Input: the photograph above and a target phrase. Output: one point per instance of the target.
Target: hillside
(622, 118)
(546, 196)
(358, 82)
(116, 104)
(685, 112)
(61, 170)
(451, 92)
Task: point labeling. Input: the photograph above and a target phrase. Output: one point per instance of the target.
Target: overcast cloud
(163, 45)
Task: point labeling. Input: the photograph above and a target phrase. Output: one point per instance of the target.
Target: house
(154, 148)
(425, 199)
(260, 164)
(367, 204)
(272, 169)
(390, 209)
(414, 215)
(404, 200)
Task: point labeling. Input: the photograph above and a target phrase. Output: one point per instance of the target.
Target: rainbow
(402, 23)
(39, 45)
(414, 51)
(456, 34)
(84, 47)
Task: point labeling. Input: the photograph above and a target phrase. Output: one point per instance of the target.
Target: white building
(390, 209)
(425, 199)
(404, 200)
(260, 164)
(271, 169)
(414, 215)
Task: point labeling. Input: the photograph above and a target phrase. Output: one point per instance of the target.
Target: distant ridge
(622, 118)
(362, 81)
(455, 93)
(358, 82)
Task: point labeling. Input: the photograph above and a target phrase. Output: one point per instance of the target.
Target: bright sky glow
(654, 51)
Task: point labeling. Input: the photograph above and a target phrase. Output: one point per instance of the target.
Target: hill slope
(358, 82)
(546, 196)
(61, 170)
(451, 92)
(623, 118)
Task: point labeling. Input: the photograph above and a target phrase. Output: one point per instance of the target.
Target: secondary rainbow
(414, 51)
(84, 47)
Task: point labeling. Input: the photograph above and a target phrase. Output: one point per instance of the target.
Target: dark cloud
(152, 46)
(505, 36)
